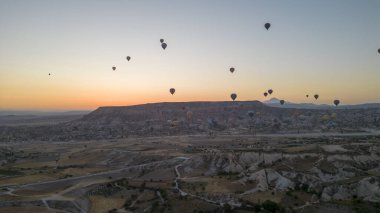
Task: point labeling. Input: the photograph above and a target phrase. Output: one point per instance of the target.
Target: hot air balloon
(114, 68)
(172, 91)
(282, 102)
(128, 58)
(265, 94)
(267, 26)
(49, 74)
(233, 96)
(336, 102)
(378, 50)
(251, 114)
(316, 96)
(232, 70)
(270, 91)
(162, 40)
(164, 45)
(307, 96)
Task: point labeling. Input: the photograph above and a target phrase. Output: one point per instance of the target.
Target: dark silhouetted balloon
(316, 96)
(164, 45)
(336, 102)
(233, 96)
(282, 102)
(307, 96)
(267, 26)
(265, 94)
(251, 114)
(172, 91)
(113, 68)
(49, 74)
(162, 40)
(232, 70)
(270, 91)
(128, 58)
(378, 51)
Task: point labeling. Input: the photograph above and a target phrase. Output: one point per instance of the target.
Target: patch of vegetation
(8, 172)
(223, 173)
(360, 206)
(71, 166)
(229, 175)
(271, 206)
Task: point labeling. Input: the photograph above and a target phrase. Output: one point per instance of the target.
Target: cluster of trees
(266, 206)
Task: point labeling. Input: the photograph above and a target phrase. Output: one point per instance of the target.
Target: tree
(257, 207)
(227, 208)
(270, 206)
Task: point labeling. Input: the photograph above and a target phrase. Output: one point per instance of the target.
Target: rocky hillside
(333, 172)
(246, 117)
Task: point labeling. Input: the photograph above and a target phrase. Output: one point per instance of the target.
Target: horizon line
(61, 110)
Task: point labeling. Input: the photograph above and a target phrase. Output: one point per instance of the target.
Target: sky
(325, 47)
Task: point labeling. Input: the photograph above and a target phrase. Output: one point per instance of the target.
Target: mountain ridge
(275, 102)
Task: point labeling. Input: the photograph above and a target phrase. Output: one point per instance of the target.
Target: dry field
(141, 174)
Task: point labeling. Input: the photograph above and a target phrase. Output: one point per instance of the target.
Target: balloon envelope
(251, 114)
(282, 102)
(378, 50)
(265, 94)
(270, 91)
(307, 96)
(164, 45)
(316, 96)
(336, 102)
(128, 58)
(172, 91)
(233, 96)
(267, 26)
(113, 68)
(232, 70)
(161, 40)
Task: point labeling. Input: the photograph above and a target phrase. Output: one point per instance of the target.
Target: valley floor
(239, 173)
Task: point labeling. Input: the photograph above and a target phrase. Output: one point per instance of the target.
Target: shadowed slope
(183, 118)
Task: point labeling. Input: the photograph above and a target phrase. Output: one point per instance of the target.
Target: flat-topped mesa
(171, 110)
(186, 118)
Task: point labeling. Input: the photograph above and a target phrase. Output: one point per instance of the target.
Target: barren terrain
(268, 163)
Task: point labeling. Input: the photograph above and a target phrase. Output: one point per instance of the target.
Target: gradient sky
(327, 47)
